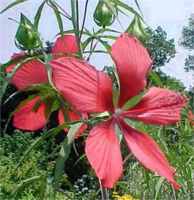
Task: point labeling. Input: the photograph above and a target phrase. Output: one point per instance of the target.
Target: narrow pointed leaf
(12, 5)
(60, 162)
(58, 17)
(72, 131)
(38, 15)
(64, 153)
(126, 7)
(51, 133)
(155, 79)
(138, 6)
(158, 187)
(20, 187)
(133, 101)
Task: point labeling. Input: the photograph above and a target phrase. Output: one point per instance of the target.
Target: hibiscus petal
(28, 119)
(82, 85)
(158, 106)
(147, 151)
(103, 153)
(15, 56)
(133, 62)
(72, 117)
(66, 44)
(32, 72)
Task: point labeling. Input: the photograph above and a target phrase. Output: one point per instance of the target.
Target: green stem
(75, 22)
(65, 13)
(84, 18)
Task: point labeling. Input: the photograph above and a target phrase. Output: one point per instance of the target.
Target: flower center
(118, 111)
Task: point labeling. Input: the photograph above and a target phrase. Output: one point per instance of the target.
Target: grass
(33, 179)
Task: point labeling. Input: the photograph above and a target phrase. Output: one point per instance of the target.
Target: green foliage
(161, 48)
(14, 3)
(177, 143)
(11, 149)
(34, 178)
(171, 82)
(189, 63)
(187, 39)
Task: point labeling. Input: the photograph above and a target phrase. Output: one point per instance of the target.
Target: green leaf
(138, 6)
(14, 95)
(127, 7)
(72, 131)
(154, 77)
(50, 133)
(64, 153)
(116, 88)
(118, 133)
(75, 23)
(58, 17)
(52, 104)
(23, 184)
(12, 5)
(38, 15)
(60, 162)
(104, 43)
(102, 30)
(133, 101)
(86, 42)
(158, 187)
(43, 187)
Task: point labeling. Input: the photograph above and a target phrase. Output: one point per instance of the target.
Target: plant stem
(84, 19)
(104, 192)
(66, 14)
(75, 22)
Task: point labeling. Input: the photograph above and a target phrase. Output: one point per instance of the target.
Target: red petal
(83, 86)
(148, 153)
(72, 117)
(27, 119)
(13, 57)
(32, 72)
(66, 44)
(103, 153)
(18, 55)
(158, 106)
(133, 62)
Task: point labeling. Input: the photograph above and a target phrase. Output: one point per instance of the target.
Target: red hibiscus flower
(34, 72)
(90, 91)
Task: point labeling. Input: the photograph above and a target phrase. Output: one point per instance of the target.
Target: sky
(171, 15)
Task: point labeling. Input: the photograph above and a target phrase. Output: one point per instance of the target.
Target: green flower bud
(105, 13)
(137, 29)
(26, 36)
